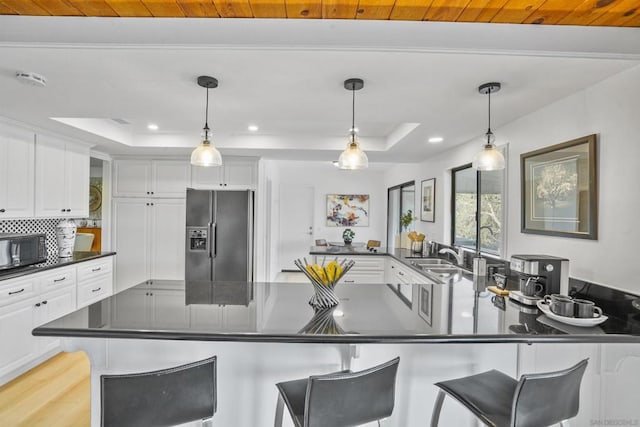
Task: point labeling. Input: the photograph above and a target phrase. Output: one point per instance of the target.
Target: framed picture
(560, 190)
(425, 302)
(428, 210)
(347, 210)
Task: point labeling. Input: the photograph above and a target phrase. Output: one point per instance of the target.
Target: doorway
(295, 224)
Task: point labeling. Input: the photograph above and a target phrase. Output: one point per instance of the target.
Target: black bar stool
(340, 399)
(499, 400)
(160, 398)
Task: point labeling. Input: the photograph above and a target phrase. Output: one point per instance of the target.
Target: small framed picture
(424, 302)
(428, 201)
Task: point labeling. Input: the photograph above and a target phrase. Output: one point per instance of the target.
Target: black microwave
(18, 250)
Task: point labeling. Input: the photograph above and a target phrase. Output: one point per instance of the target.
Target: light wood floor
(55, 393)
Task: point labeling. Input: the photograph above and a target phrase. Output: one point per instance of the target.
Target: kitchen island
(261, 333)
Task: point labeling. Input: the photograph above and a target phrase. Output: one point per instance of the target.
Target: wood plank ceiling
(616, 13)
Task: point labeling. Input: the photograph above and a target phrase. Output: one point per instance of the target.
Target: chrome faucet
(459, 255)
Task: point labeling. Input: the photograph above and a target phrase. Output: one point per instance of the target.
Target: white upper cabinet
(234, 174)
(16, 173)
(131, 178)
(62, 179)
(150, 178)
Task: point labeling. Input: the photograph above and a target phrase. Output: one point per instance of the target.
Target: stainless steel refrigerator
(219, 235)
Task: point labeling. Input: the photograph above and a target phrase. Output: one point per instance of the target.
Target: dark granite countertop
(456, 312)
(59, 262)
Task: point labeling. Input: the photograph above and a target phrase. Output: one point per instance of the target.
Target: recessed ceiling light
(152, 126)
(253, 128)
(435, 139)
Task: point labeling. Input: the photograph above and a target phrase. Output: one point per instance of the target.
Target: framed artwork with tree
(560, 189)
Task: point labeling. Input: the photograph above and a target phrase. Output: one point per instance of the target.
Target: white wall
(327, 179)
(610, 109)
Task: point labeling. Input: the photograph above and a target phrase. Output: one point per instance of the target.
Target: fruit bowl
(324, 278)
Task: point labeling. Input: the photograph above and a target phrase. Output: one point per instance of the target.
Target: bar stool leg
(565, 424)
(207, 422)
(279, 409)
(435, 415)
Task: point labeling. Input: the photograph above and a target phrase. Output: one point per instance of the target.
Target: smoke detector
(30, 78)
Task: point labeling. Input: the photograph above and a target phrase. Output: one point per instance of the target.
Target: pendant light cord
(489, 93)
(206, 114)
(353, 109)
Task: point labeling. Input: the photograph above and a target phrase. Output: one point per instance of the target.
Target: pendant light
(206, 153)
(353, 157)
(489, 159)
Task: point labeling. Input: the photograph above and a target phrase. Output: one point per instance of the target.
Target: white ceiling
(291, 84)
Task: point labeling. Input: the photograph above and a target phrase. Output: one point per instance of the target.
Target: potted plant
(347, 236)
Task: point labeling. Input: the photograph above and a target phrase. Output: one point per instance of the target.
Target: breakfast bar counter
(264, 333)
(460, 312)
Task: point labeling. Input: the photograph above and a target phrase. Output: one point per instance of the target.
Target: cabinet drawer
(367, 263)
(96, 268)
(17, 290)
(94, 291)
(363, 277)
(57, 278)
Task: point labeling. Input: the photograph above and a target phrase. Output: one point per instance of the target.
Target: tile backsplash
(40, 225)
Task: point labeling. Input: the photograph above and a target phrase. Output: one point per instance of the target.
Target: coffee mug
(530, 287)
(586, 309)
(561, 305)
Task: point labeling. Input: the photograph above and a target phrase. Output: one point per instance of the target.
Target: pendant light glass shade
(490, 158)
(353, 157)
(206, 154)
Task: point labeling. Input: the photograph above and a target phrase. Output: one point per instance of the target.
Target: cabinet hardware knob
(152, 192)
(44, 302)
(16, 292)
(38, 304)
(62, 210)
(151, 293)
(147, 204)
(60, 279)
(2, 210)
(401, 273)
(96, 290)
(349, 281)
(96, 269)
(146, 293)
(151, 204)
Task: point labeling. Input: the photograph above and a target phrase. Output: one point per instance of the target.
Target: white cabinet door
(131, 178)
(50, 306)
(169, 178)
(50, 178)
(77, 181)
(167, 239)
(207, 177)
(240, 174)
(18, 345)
(62, 179)
(16, 173)
(131, 241)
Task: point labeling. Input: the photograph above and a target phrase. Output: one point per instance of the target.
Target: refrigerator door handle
(213, 241)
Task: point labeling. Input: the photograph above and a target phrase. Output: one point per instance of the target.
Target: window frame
(478, 248)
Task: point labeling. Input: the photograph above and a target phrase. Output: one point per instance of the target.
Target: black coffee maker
(539, 275)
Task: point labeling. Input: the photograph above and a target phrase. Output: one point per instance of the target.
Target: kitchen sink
(428, 262)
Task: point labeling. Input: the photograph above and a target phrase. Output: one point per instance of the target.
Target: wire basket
(324, 279)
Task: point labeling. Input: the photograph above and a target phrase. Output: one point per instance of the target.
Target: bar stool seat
(500, 401)
(165, 397)
(339, 399)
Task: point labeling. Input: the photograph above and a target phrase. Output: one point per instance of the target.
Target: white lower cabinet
(33, 300)
(19, 346)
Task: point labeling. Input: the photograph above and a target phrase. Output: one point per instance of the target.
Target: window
(400, 199)
(478, 194)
